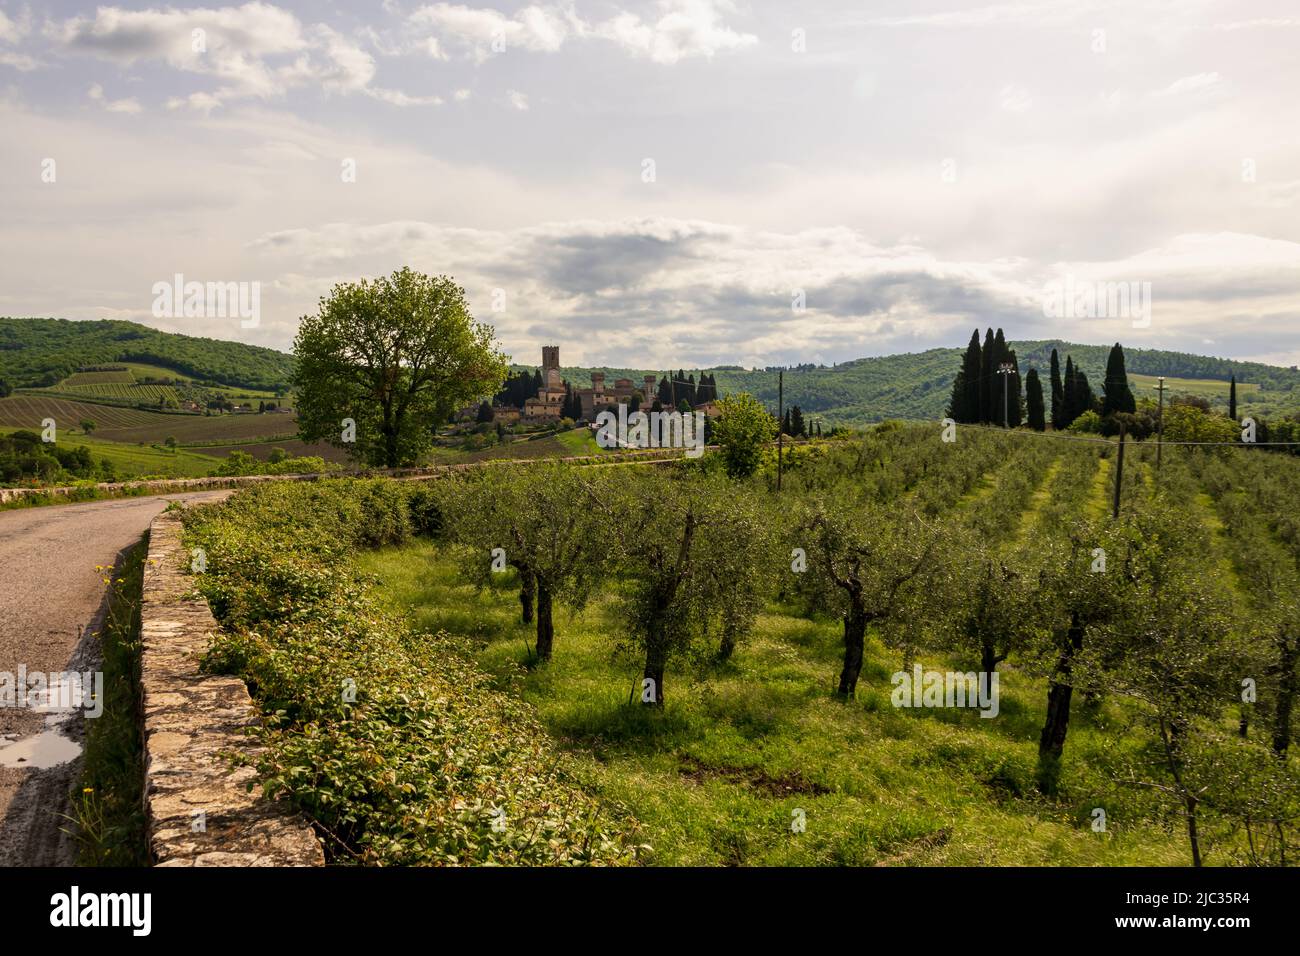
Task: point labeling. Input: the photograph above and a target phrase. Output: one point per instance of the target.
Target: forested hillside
(916, 385)
(37, 353)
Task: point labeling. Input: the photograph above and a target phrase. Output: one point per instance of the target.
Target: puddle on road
(40, 751)
(50, 747)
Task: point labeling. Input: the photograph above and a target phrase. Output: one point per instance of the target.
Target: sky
(674, 183)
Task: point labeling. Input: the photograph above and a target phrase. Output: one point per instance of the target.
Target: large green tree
(396, 355)
(744, 426)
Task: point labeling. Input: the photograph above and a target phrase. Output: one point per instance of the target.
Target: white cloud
(1198, 83)
(683, 29)
(1014, 99)
(254, 51)
(127, 105)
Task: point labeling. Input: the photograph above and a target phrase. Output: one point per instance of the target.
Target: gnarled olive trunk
(545, 630)
(1060, 690)
(527, 591)
(855, 633)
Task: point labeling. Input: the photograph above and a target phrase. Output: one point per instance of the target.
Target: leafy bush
(389, 739)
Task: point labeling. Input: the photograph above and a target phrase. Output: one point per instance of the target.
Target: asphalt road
(51, 602)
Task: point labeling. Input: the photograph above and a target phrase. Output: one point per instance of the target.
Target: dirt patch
(787, 784)
(908, 853)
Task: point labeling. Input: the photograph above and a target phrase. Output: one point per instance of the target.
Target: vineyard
(719, 663)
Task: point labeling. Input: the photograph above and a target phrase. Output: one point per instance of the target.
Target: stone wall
(200, 810)
(164, 486)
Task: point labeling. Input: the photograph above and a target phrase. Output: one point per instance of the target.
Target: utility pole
(1005, 370)
(1160, 421)
(1119, 472)
(780, 417)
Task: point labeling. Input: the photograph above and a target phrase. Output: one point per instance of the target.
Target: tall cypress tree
(996, 384)
(1034, 401)
(1084, 396)
(1016, 405)
(1058, 392)
(796, 422)
(1232, 398)
(966, 398)
(1118, 395)
(1068, 400)
(986, 378)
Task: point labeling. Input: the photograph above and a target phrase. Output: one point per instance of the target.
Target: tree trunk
(527, 589)
(545, 630)
(1051, 743)
(1286, 688)
(656, 657)
(989, 658)
(855, 632)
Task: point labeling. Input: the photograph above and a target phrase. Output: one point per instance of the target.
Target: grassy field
(134, 460)
(718, 777)
(134, 425)
(1144, 386)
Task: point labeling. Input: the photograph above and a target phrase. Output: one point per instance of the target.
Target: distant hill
(917, 385)
(37, 353)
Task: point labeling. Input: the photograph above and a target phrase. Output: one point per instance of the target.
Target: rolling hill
(38, 353)
(47, 353)
(917, 385)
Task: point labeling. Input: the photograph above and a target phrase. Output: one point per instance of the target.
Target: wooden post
(1119, 472)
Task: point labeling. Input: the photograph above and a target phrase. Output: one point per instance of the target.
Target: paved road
(51, 603)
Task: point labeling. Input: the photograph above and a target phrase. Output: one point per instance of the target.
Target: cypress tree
(1083, 393)
(964, 405)
(665, 395)
(1232, 398)
(986, 378)
(796, 422)
(1016, 404)
(1068, 400)
(1034, 401)
(1058, 392)
(1118, 395)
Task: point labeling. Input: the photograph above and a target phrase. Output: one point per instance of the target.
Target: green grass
(133, 460)
(716, 778)
(1144, 386)
(108, 802)
(579, 441)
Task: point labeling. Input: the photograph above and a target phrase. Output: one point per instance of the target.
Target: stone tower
(550, 358)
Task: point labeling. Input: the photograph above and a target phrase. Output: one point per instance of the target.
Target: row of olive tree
(693, 555)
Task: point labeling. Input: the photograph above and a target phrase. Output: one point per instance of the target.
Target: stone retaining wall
(200, 810)
(165, 486)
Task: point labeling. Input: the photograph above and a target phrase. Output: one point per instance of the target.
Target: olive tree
(872, 564)
(1083, 576)
(695, 552)
(395, 356)
(539, 519)
(1181, 658)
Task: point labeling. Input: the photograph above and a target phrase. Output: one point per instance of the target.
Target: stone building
(549, 403)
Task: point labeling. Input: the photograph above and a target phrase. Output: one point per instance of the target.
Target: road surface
(51, 601)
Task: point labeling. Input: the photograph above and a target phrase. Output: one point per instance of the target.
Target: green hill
(917, 385)
(38, 353)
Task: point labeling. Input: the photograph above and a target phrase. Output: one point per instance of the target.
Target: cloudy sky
(667, 182)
